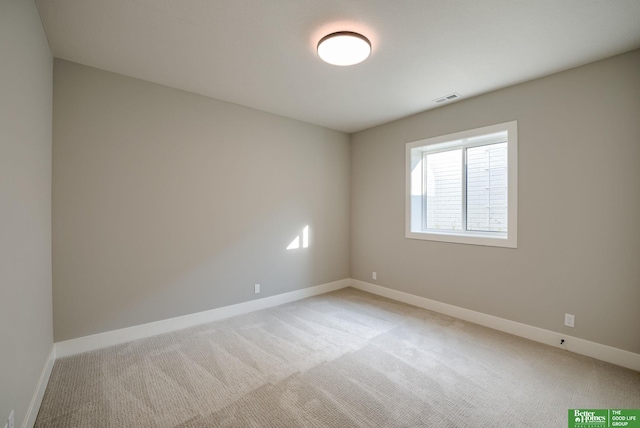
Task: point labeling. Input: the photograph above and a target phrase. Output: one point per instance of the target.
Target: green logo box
(604, 418)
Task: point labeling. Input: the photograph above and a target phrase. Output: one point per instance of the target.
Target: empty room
(319, 213)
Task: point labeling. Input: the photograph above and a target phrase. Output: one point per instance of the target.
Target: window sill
(489, 241)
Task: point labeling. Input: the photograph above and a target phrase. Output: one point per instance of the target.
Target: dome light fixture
(344, 48)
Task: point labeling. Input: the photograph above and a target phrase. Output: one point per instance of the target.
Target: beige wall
(579, 207)
(168, 203)
(25, 205)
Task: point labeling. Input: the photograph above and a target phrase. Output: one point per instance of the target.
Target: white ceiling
(261, 53)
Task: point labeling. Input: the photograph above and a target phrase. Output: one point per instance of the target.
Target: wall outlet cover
(569, 320)
(257, 288)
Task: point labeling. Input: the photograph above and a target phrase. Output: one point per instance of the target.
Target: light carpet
(342, 359)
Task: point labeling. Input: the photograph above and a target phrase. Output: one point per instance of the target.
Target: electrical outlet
(569, 320)
(10, 423)
(374, 276)
(257, 289)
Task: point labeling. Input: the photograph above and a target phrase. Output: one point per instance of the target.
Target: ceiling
(261, 53)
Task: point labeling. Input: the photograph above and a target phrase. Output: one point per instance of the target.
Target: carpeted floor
(343, 359)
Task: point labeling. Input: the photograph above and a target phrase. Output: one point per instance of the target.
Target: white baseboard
(115, 337)
(34, 407)
(595, 350)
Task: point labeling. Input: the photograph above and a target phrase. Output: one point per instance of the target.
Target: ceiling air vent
(449, 97)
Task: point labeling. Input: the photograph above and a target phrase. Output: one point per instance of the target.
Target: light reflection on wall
(295, 244)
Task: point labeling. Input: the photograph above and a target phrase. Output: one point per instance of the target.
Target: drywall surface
(168, 203)
(25, 206)
(579, 207)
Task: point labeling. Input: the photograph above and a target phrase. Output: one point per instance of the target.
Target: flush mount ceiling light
(344, 48)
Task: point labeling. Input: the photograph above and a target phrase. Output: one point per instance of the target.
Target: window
(463, 187)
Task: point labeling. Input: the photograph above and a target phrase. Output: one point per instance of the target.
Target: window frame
(452, 142)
